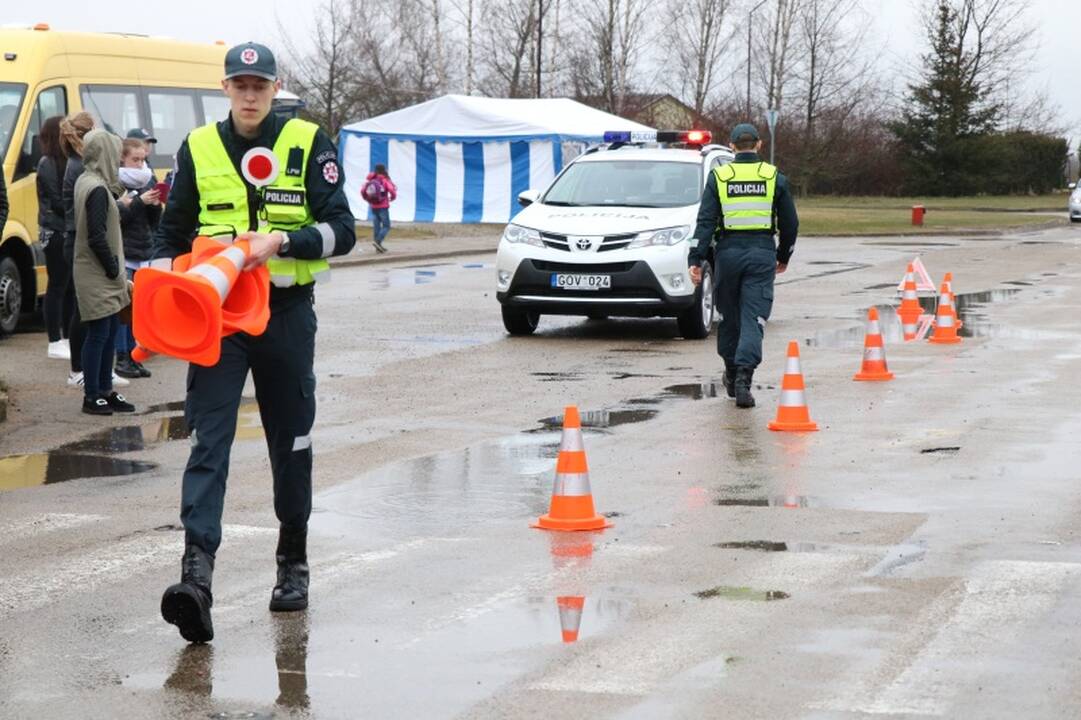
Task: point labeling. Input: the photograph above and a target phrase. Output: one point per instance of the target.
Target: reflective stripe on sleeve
(303, 442)
(329, 240)
(162, 264)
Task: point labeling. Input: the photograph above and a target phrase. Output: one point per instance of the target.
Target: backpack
(374, 191)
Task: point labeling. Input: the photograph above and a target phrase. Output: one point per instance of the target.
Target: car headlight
(666, 236)
(519, 234)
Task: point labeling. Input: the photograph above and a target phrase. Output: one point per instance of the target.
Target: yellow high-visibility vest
(746, 191)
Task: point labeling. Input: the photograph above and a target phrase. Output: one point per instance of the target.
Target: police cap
(142, 134)
(251, 59)
(744, 132)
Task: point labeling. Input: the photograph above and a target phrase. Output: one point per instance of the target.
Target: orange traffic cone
(572, 500)
(874, 352)
(792, 412)
(910, 326)
(948, 281)
(179, 314)
(247, 307)
(910, 301)
(946, 320)
(570, 616)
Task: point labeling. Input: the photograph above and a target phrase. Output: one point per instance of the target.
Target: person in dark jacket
(744, 205)
(101, 287)
(140, 210)
(60, 294)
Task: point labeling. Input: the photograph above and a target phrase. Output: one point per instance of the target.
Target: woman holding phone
(140, 210)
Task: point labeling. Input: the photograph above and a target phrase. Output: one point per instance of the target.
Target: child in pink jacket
(378, 191)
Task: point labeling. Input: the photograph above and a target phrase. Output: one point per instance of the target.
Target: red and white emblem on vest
(260, 166)
(249, 56)
(330, 172)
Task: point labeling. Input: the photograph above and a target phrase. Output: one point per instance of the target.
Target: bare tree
(777, 45)
(610, 48)
(697, 34)
(507, 47)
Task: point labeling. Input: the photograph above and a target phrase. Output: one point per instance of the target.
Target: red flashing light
(42, 27)
(699, 137)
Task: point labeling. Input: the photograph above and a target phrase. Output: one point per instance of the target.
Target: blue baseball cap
(251, 59)
(744, 132)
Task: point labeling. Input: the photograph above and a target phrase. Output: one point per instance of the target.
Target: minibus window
(115, 109)
(172, 117)
(50, 102)
(215, 107)
(11, 100)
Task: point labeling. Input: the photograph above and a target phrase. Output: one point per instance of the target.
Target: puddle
(880, 286)
(941, 450)
(696, 391)
(23, 471)
(1021, 283)
(728, 592)
(759, 545)
(175, 406)
(557, 376)
(602, 419)
(914, 243)
(413, 275)
(970, 308)
(785, 501)
(849, 267)
(91, 456)
(628, 376)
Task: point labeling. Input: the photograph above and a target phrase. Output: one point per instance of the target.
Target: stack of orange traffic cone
(572, 500)
(946, 320)
(910, 301)
(570, 616)
(874, 352)
(792, 412)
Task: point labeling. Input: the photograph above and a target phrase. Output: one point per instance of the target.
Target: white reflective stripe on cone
(282, 281)
(215, 276)
(571, 484)
(872, 353)
(302, 442)
(234, 255)
(329, 241)
(572, 440)
(162, 264)
(792, 398)
(570, 618)
(944, 320)
(873, 329)
(227, 238)
(791, 366)
(911, 295)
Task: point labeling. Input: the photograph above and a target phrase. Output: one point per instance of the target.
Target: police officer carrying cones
(744, 205)
(293, 224)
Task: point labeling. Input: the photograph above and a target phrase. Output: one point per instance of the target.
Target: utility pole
(750, 18)
(540, 44)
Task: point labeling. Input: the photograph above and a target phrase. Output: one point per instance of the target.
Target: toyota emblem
(584, 243)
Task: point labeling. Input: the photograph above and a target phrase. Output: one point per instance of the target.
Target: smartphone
(163, 191)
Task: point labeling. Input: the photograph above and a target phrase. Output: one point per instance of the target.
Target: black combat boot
(729, 380)
(187, 604)
(744, 376)
(291, 592)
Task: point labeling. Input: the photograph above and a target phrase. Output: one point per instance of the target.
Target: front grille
(556, 242)
(615, 242)
(546, 266)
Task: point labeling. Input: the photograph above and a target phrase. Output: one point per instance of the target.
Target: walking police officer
(293, 225)
(744, 205)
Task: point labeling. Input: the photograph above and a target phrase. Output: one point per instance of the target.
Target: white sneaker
(75, 379)
(60, 350)
(119, 381)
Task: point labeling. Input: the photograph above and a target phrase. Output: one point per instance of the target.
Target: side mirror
(527, 198)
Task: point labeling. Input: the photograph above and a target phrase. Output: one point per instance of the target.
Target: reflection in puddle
(785, 501)
(413, 275)
(89, 457)
(728, 592)
(970, 309)
(602, 419)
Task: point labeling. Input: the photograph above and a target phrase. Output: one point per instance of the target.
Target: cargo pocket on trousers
(767, 306)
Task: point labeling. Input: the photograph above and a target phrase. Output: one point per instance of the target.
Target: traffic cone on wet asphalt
(874, 352)
(792, 412)
(572, 500)
(948, 281)
(945, 321)
(570, 616)
(910, 308)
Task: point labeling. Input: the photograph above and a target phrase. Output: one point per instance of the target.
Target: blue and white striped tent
(460, 158)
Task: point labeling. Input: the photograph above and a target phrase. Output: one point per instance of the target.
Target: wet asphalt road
(918, 557)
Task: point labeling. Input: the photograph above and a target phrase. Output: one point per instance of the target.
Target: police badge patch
(330, 172)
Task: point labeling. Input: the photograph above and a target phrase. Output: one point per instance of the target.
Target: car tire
(520, 322)
(11, 295)
(696, 322)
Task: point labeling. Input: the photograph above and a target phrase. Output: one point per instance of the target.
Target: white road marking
(27, 528)
(995, 605)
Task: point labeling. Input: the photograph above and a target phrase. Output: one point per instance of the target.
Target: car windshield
(11, 98)
(627, 183)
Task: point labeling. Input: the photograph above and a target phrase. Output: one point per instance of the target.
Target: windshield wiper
(561, 203)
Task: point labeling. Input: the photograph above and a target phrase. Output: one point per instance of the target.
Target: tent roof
(464, 117)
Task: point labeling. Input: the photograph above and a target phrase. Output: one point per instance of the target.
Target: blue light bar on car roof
(693, 137)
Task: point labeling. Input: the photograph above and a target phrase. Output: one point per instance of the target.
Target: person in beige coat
(101, 287)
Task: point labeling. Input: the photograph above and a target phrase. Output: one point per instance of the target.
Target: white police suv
(611, 235)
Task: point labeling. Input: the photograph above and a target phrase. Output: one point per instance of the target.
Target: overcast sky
(896, 26)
